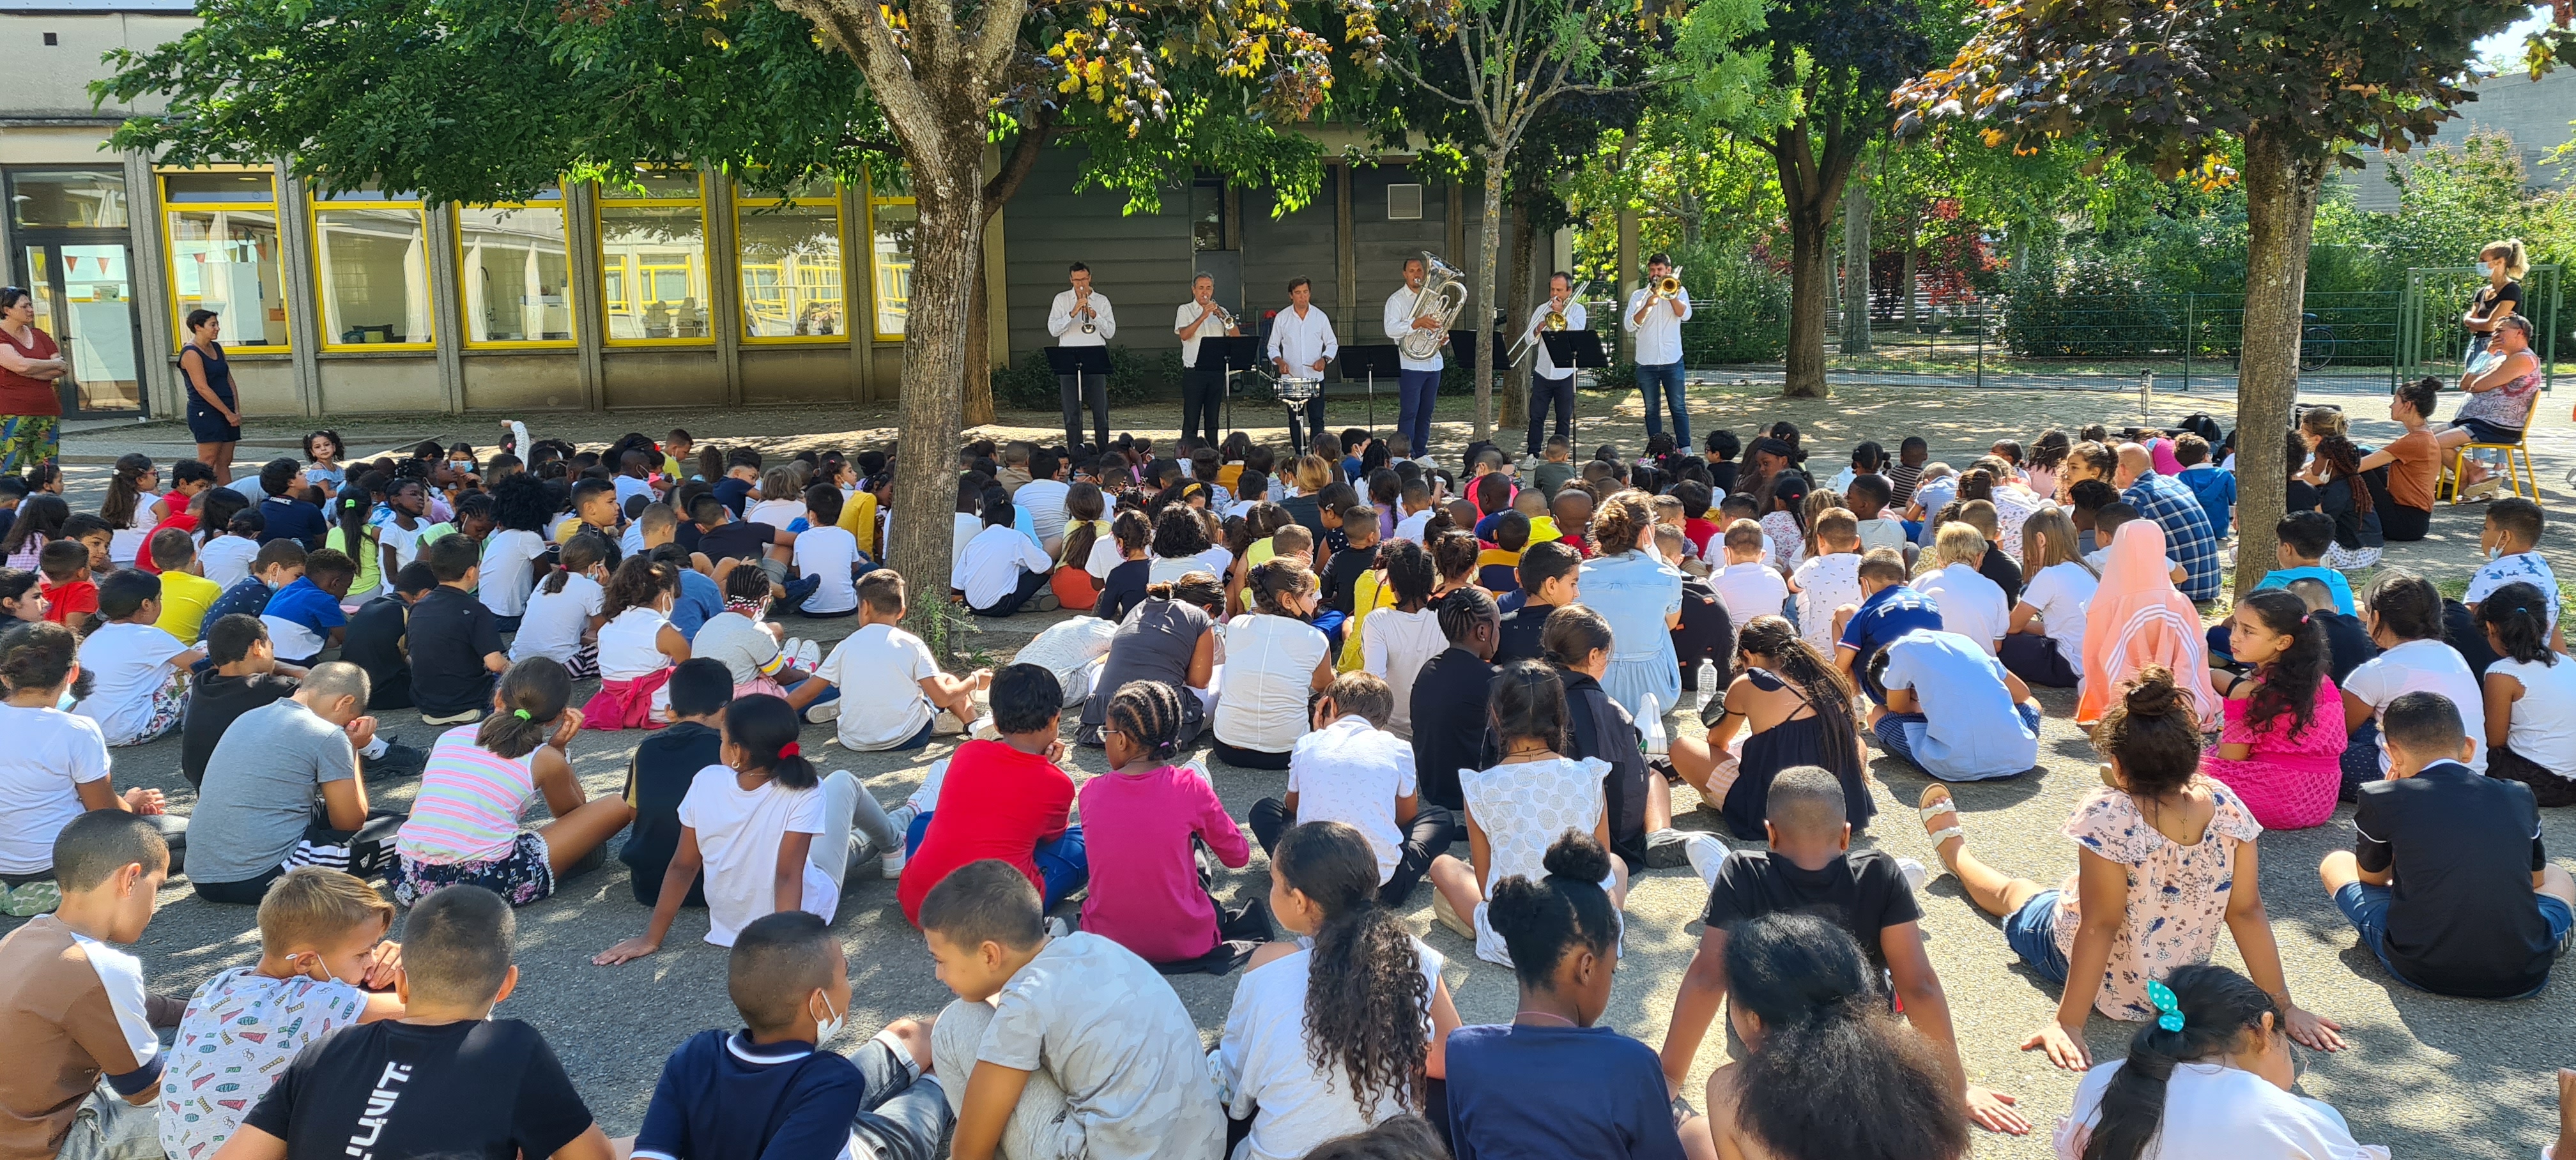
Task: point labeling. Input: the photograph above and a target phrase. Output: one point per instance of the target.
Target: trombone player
(1656, 312)
(1081, 317)
(1202, 381)
(1550, 383)
(1409, 310)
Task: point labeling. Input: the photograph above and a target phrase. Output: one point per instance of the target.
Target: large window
(790, 251)
(653, 260)
(371, 269)
(893, 222)
(515, 259)
(221, 230)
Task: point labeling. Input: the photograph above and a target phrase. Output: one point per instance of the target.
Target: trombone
(1668, 286)
(1554, 322)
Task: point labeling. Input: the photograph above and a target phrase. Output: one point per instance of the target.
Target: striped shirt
(469, 803)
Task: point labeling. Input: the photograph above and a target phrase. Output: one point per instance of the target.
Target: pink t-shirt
(1145, 892)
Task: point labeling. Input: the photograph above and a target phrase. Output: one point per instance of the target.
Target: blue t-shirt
(245, 598)
(723, 1097)
(292, 519)
(1887, 614)
(1971, 730)
(1547, 1093)
(300, 619)
(732, 492)
(2217, 492)
(699, 599)
(2333, 580)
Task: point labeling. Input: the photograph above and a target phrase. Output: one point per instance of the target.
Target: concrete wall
(512, 381)
(389, 382)
(54, 78)
(2535, 113)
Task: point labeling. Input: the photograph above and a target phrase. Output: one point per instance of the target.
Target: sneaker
(890, 866)
(1705, 852)
(1666, 848)
(1042, 602)
(1448, 916)
(926, 798)
(1915, 874)
(809, 655)
(398, 760)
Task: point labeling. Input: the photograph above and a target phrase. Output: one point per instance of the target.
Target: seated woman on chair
(2501, 392)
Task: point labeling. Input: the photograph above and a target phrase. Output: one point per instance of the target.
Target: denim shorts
(2485, 432)
(2032, 933)
(2366, 906)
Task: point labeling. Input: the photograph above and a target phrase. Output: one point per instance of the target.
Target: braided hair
(1463, 611)
(1365, 994)
(1149, 713)
(1273, 581)
(1410, 573)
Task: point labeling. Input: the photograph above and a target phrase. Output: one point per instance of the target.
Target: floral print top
(2177, 894)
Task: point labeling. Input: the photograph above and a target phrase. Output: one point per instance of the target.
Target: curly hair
(1823, 686)
(1149, 713)
(2290, 680)
(1179, 533)
(1620, 520)
(520, 503)
(1365, 993)
(1836, 1075)
(1453, 554)
(638, 583)
(2152, 733)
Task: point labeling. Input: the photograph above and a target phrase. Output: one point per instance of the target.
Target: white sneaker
(1915, 874)
(809, 655)
(1706, 854)
(1057, 927)
(890, 866)
(926, 798)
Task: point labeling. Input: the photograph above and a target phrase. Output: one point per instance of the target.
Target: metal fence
(2431, 340)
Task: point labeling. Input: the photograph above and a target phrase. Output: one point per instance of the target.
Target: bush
(2090, 307)
(1739, 313)
(1029, 384)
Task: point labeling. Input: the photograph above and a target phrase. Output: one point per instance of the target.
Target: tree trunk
(948, 258)
(1480, 307)
(1811, 272)
(975, 401)
(2284, 175)
(1856, 208)
(1516, 308)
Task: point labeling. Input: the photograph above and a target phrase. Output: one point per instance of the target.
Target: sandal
(1928, 809)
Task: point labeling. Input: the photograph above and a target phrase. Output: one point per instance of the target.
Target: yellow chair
(2518, 476)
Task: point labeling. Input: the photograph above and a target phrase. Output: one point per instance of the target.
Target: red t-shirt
(1701, 532)
(21, 395)
(68, 603)
(182, 521)
(996, 803)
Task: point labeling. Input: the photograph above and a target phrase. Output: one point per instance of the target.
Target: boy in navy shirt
(1888, 609)
(279, 563)
(289, 517)
(772, 1091)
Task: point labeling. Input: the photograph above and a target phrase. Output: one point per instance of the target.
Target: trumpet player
(1301, 346)
(1549, 383)
(1409, 310)
(1082, 317)
(1202, 383)
(1656, 313)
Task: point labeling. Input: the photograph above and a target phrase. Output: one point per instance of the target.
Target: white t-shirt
(2544, 720)
(1883, 532)
(1068, 647)
(555, 621)
(2423, 666)
(777, 513)
(1105, 556)
(1411, 527)
(1971, 605)
(507, 575)
(127, 663)
(1270, 668)
(630, 644)
(1353, 772)
(2061, 592)
(886, 665)
(1750, 590)
(227, 559)
(962, 530)
(1266, 1061)
(830, 553)
(49, 752)
(739, 832)
(404, 541)
(1043, 499)
(2215, 1110)
(994, 560)
(1393, 648)
(1165, 570)
(124, 542)
(1825, 583)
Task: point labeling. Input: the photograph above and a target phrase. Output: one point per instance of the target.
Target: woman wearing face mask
(31, 371)
(2496, 301)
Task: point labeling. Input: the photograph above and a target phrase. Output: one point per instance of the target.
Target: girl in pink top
(1137, 822)
(2282, 745)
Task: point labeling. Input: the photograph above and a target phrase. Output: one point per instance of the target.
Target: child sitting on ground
(774, 1089)
(2511, 538)
(1519, 808)
(2405, 619)
(2303, 538)
(567, 609)
(1749, 585)
(1829, 579)
(464, 827)
(2531, 697)
(304, 618)
(758, 653)
(1014, 801)
(323, 965)
(2046, 643)
(139, 690)
(1323, 886)
(2164, 857)
(1888, 608)
(1058, 1046)
(1351, 770)
(447, 1079)
(1868, 498)
(2348, 639)
(2282, 744)
(637, 647)
(1497, 567)
(883, 660)
(1971, 605)
(452, 638)
(1997, 564)
(2448, 882)
(71, 597)
(1143, 823)
(185, 596)
(663, 767)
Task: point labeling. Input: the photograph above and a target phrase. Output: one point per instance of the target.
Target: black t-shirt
(1604, 730)
(656, 779)
(451, 632)
(2347, 642)
(213, 703)
(2488, 298)
(1721, 477)
(2302, 497)
(2006, 574)
(2463, 919)
(375, 643)
(1451, 724)
(1862, 891)
(1521, 628)
(737, 540)
(395, 1091)
(1125, 589)
(1342, 577)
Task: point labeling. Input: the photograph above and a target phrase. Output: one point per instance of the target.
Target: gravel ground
(2474, 1075)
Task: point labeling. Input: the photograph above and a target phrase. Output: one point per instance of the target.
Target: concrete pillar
(447, 317)
(151, 273)
(303, 301)
(1629, 277)
(590, 323)
(724, 282)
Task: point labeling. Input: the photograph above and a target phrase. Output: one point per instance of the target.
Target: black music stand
(1082, 360)
(1368, 362)
(1234, 353)
(1577, 350)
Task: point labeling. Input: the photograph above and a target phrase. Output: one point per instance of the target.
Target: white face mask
(825, 1030)
(2496, 552)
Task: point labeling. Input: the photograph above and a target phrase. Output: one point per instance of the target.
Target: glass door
(84, 294)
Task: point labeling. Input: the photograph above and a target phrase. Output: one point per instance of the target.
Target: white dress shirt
(1399, 322)
(1659, 337)
(1302, 340)
(1066, 326)
(1212, 326)
(1575, 319)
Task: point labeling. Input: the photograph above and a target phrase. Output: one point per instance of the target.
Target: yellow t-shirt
(369, 554)
(185, 597)
(859, 518)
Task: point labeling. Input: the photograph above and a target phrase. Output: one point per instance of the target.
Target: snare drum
(1296, 390)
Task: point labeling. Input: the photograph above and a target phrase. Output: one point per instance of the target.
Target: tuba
(1442, 296)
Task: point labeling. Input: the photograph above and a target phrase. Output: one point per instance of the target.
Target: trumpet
(1670, 285)
(1224, 317)
(1083, 304)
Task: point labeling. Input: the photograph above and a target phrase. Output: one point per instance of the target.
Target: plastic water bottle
(1708, 684)
(1656, 744)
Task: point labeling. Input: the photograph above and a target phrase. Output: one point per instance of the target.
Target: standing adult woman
(214, 418)
(31, 367)
(1632, 587)
(2497, 300)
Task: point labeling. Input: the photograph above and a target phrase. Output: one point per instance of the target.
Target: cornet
(1082, 302)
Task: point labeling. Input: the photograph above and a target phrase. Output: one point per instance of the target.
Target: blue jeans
(1063, 863)
(904, 1113)
(2366, 907)
(1415, 392)
(1669, 375)
(2031, 932)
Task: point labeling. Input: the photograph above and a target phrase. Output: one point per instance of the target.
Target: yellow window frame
(841, 228)
(170, 252)
(314, 205)
(562, 206)
(642, 281)
(877, 292)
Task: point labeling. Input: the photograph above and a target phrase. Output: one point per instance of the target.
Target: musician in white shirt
(1548, 382)
(1656, 321)
(1301, 346)
(1420, 377)
(1202, 383)
(1082, 318)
